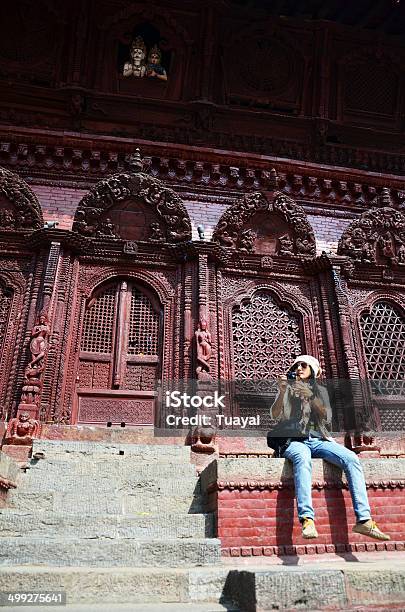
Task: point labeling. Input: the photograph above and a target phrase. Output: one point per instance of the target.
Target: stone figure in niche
(246, 241)
(156, 233)
(136, 65)
(286, 245)
(22, 429)
(154, 68)
(204, 350)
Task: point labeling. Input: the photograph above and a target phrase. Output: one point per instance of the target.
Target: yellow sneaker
(309, 529)
(370, 529)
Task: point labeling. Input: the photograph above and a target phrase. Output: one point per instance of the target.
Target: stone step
(144, 452)
(111, 503)
(109, 553)
(60, 524)
(114, 465)
(130, 483)
(120, 585)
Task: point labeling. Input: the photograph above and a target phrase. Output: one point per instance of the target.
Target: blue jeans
(300, 453)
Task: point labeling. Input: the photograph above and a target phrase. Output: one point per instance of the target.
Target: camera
(292, 375)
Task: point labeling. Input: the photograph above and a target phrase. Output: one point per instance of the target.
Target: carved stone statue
(368, 253)
(204, 350)
(154, 68)
(286, 245)
(22, 429)
(156, 233)
(136, 65)
(246, 241)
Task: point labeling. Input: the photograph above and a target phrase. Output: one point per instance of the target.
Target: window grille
(265, 340)
(98, 323)
(143, 334)
(383, 333)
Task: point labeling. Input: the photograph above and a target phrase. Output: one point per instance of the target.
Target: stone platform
(255, 501)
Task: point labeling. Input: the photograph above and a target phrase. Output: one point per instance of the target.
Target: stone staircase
(110, 522)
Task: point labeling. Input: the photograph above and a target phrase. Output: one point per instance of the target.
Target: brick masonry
(60, 203)
(257, 510)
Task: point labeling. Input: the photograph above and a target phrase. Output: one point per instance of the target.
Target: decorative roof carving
(275, 226)
(19, 206)
(133, 206)
(377, 237)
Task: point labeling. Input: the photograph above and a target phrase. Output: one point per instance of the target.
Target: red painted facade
(279, 137)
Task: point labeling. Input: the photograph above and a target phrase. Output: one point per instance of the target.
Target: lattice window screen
(98, 323)
(6, 297)
(383, 332)
(143, 326)
(265, 338)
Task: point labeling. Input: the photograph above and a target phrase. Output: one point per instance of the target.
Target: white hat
(312, 361)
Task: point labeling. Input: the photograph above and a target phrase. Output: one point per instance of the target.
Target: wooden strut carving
(204, 350)
(25, 426)
(233, 229)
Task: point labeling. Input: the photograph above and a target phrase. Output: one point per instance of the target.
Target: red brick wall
(265, 522)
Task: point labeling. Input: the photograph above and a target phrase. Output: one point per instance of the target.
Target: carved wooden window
(6, 297)
(266, 338)
(98, 323)
(143, 325)
(120, 339)
(383, 332)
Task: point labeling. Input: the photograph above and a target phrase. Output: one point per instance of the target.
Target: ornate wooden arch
(158, 284)
(377, 237)
(157, 213)
(274, 225)
(19, 206)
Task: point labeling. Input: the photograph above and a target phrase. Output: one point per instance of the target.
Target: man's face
(303, 370)
(137, 54)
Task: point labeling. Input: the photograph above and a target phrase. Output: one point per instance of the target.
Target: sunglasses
(301, 364)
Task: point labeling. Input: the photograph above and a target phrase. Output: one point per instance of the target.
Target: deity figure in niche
(154, 68)
(136, 65)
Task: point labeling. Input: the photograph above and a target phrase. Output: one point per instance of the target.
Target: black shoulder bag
(282, 434)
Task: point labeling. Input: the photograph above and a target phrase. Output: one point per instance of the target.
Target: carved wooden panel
(6, 297)
(105, 409)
